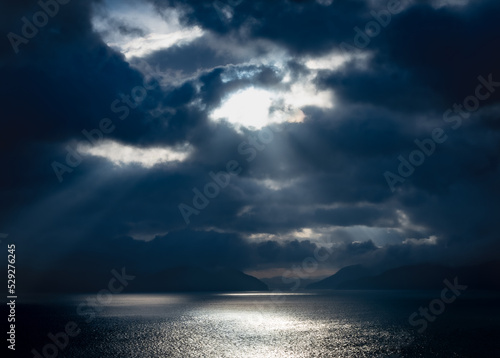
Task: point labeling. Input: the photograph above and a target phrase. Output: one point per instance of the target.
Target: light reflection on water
(266, 294)
(343, 324)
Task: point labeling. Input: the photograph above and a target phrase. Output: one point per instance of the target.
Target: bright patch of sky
(120, 154)
(255, 108)
(137, 29)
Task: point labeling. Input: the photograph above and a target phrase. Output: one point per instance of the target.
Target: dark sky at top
(312, 103)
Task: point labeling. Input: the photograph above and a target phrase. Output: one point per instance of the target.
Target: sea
(254, 324)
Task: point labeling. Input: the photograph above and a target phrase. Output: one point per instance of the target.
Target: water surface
(334, 324)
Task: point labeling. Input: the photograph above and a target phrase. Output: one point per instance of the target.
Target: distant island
(195, 279)
(423, 276)
(176, 279)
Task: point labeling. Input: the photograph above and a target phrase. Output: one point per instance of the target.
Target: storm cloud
(136, 131)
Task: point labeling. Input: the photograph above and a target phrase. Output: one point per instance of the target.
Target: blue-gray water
(336, 324)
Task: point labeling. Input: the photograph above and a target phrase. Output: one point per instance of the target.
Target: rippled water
(338, 324)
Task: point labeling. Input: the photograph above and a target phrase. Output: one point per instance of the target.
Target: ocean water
(334, 324)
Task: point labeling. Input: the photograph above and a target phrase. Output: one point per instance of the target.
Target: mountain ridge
(484, 276)
(196, 279)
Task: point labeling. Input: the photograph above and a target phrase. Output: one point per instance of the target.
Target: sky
(150, 134)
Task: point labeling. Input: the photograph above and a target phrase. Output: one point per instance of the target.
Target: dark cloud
(325, 174)
(301, 26)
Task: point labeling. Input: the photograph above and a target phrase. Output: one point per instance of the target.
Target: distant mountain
(287, 283)
(484, 277)
(430, 276)
(423, 276)
(345, 274)
(195, 279)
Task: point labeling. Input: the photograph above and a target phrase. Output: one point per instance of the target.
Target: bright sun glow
(248, 108)
(255, 108)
